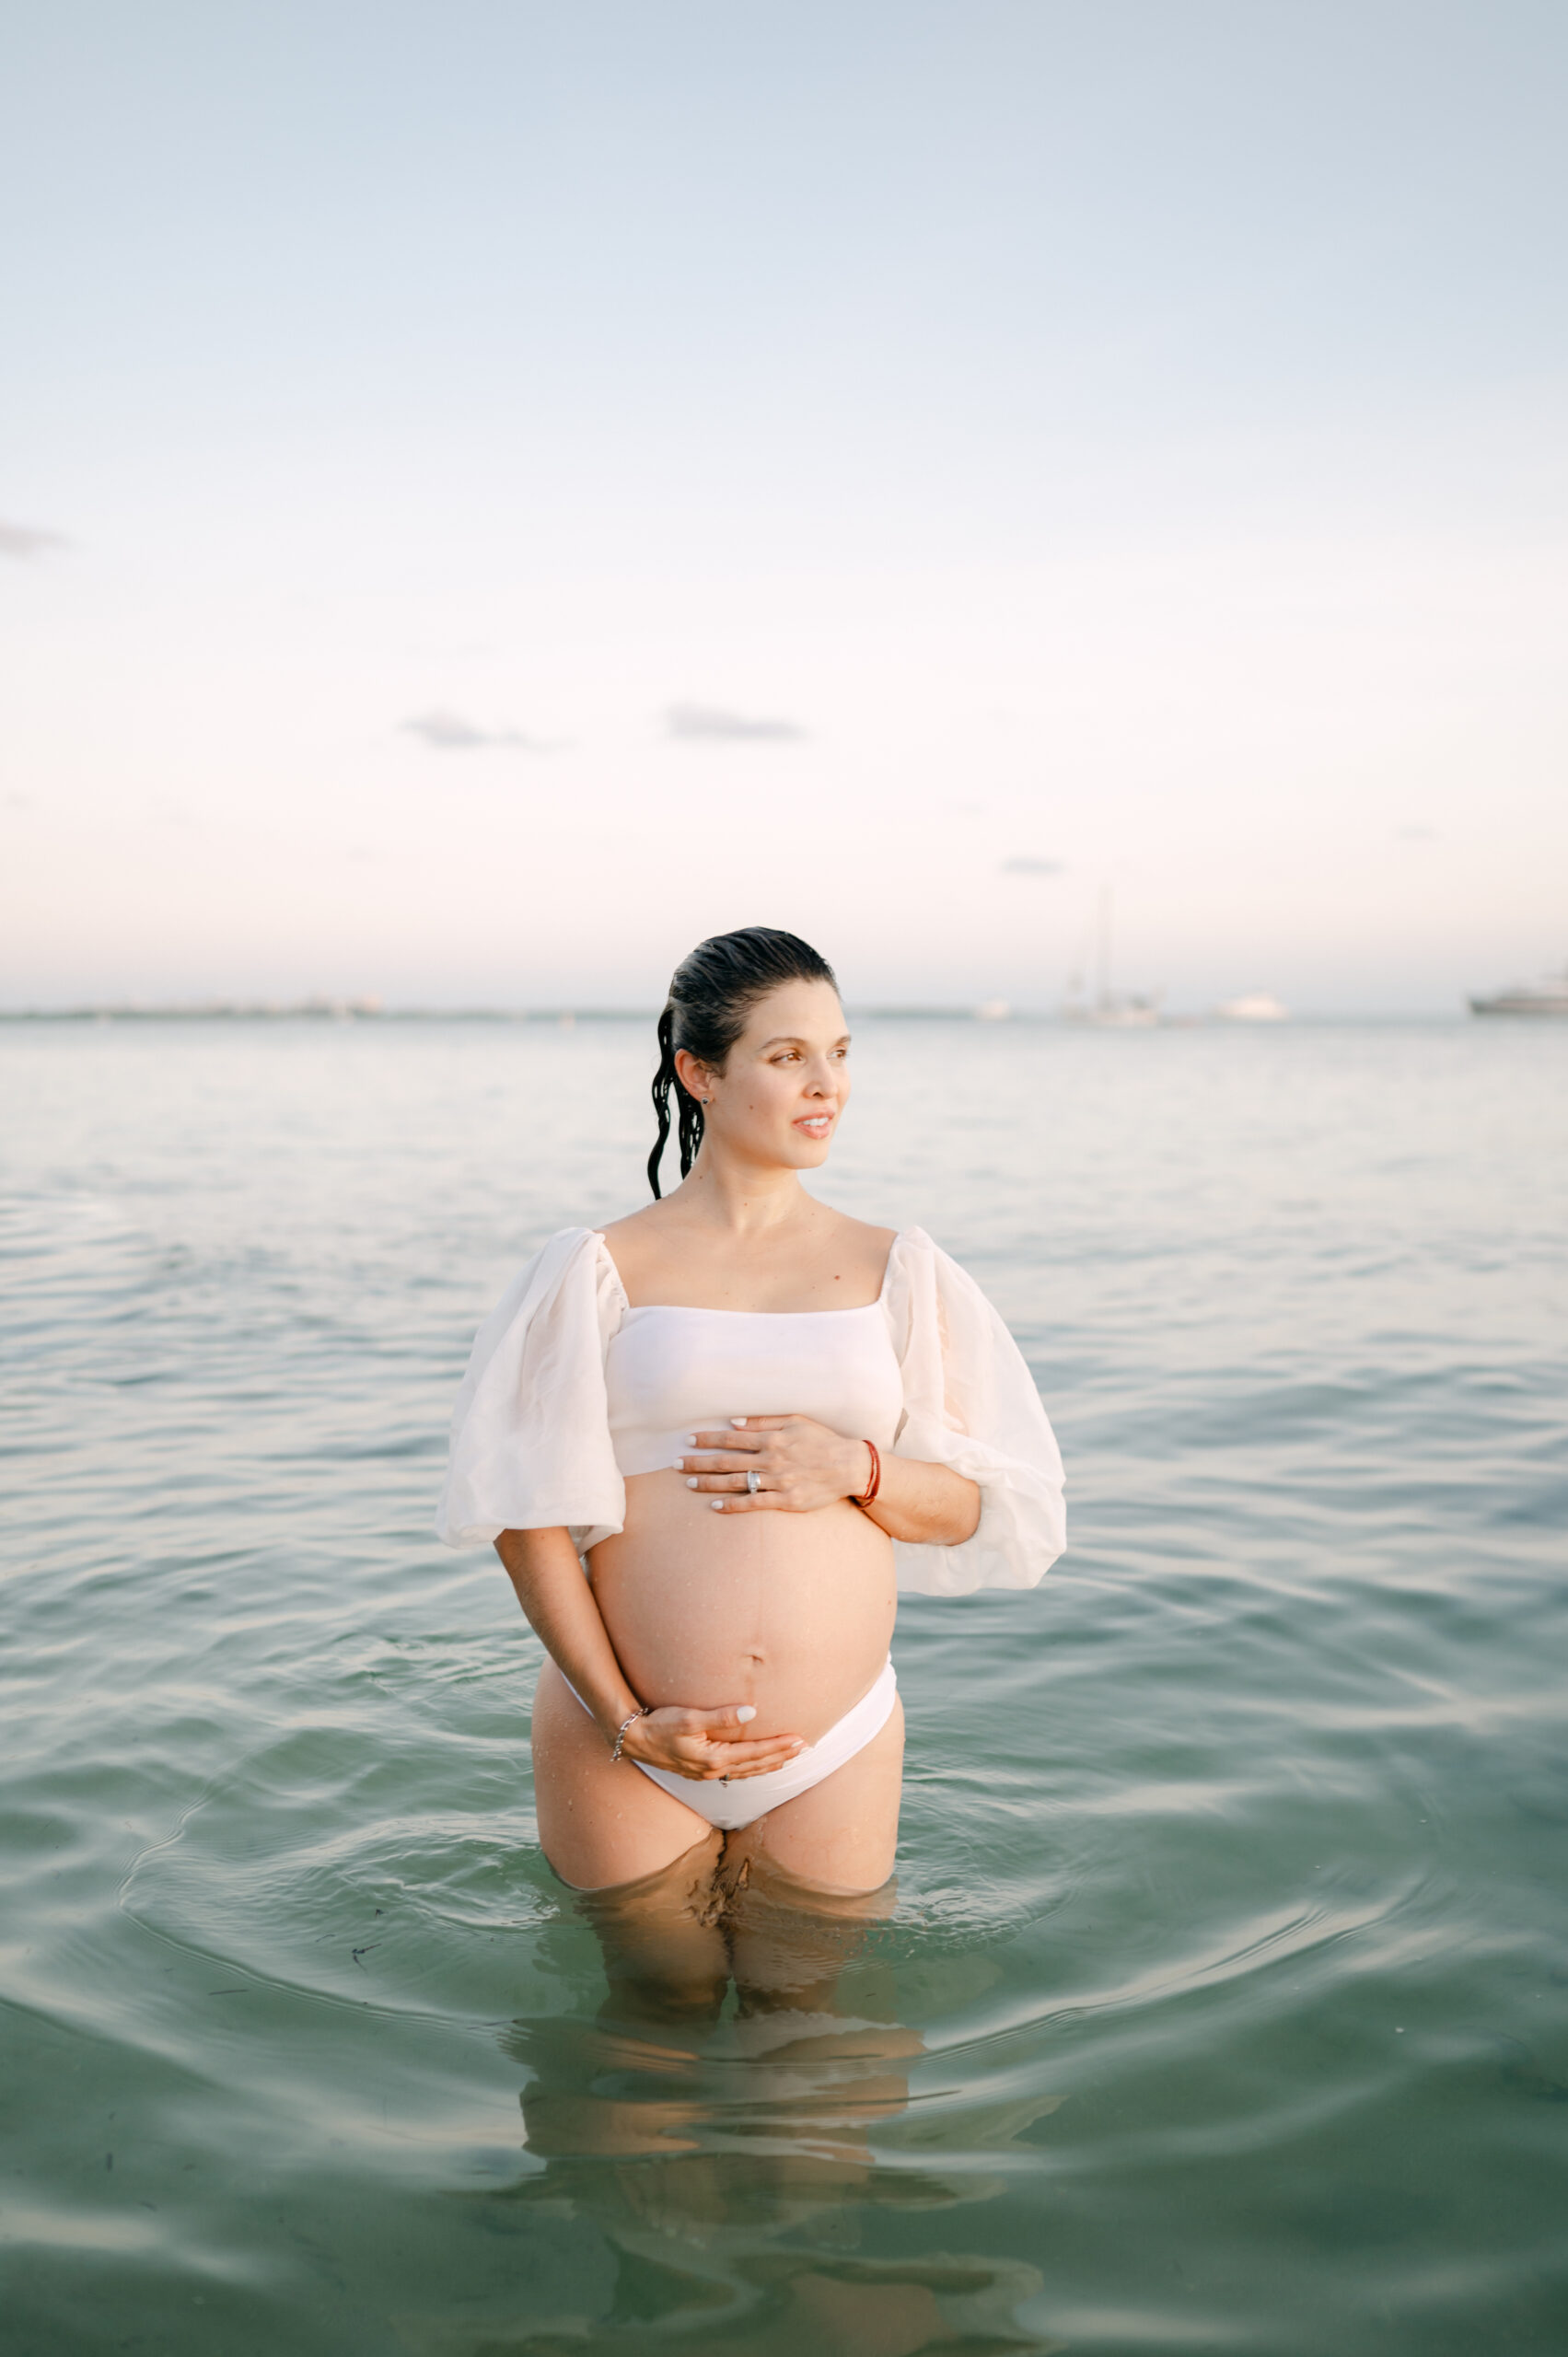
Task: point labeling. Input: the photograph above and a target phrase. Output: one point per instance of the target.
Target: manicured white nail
(691, 1480)
(747, 1711)
(678, 1466)
(739, 1422)
(717, 1504)
(690, 1441)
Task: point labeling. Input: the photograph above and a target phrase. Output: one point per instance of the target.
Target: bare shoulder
(856, 1248)
(635, 1223)
(638, 1240)
(859, 1236)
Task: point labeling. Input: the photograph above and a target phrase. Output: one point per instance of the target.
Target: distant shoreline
(351, 1011)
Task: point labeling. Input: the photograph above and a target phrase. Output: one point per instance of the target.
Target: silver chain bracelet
(640, 1713)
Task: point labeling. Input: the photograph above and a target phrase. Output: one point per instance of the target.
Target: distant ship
(1549, 996)
(1111, 1010)
(1253, 1006)
(1114, 1012)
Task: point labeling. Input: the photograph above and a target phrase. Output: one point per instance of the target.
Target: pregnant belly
(791, 1612)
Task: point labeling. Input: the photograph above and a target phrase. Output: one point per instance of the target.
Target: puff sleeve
(531, 1442)
(971, 1403)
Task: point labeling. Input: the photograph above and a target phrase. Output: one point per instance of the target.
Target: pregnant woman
(750, 1419)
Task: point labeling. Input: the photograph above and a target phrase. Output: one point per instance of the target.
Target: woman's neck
(742, 1199)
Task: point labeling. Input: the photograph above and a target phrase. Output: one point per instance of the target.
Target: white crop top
(569, 1389)
(669, 1372)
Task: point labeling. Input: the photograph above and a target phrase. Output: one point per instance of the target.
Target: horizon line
(320, 1009)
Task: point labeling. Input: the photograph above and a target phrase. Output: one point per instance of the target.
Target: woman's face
(784, 1082)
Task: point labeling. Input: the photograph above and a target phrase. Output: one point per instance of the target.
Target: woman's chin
(806, 1153)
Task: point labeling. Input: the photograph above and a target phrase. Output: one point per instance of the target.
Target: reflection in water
(725, 2153)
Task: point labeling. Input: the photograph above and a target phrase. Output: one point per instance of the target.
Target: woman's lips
(816, 1125)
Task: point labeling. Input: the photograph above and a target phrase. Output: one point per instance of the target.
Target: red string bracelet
(869, 1492)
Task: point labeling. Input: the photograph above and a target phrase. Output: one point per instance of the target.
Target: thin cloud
(1021, 864)
(24, 540)
(448, 732)
(704, 722)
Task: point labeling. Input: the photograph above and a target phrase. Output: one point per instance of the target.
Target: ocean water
(1224, 2003)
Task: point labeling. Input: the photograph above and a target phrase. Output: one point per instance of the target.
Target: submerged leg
(791, 1942)
(665, 1956)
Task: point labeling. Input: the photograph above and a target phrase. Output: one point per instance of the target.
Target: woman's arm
(560, 1607)
(803, 1466)
(929, 1505)
(562, 1610)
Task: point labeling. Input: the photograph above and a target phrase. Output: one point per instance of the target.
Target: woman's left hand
(800, 1464)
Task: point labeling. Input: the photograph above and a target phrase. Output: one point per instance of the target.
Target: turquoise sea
(1225, 2004)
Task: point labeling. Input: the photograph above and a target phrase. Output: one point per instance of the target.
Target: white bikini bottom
(731, 1805)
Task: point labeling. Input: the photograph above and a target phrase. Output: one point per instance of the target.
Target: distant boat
(1113, 1011)
(1110, 1009)
(1253, 1006)
(992, 1010)
(1549, 996)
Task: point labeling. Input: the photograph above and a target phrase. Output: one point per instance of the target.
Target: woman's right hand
(702, 1744)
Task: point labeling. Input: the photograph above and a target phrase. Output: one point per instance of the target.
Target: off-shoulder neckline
(694, 1309)
(699, 1309)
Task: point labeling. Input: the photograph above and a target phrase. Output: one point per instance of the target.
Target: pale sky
(490, 494)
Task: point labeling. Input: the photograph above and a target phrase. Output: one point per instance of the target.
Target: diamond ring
(753, 1481)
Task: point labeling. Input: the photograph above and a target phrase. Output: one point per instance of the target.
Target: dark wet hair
(710, 994)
